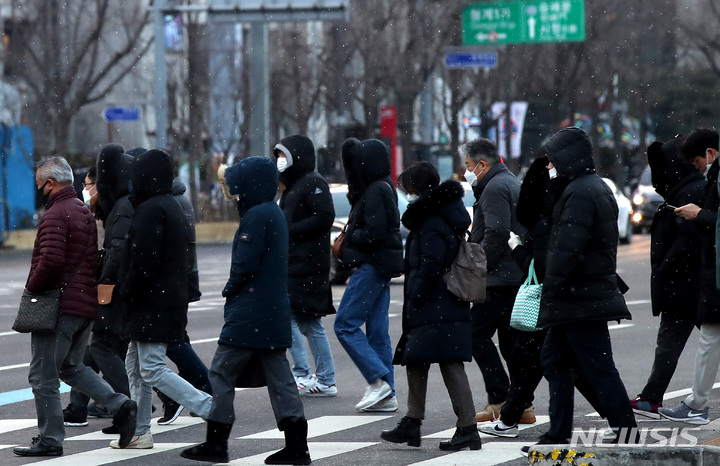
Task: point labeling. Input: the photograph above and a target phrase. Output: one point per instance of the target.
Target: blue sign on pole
(471, 60)
(122, 114)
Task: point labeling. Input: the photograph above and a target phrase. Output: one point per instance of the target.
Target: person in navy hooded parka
(257, 316)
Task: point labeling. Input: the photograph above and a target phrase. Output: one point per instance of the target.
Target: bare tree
(72, 53)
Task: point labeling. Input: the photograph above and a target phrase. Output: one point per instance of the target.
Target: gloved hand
(514, 241)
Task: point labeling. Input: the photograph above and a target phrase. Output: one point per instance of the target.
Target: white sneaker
(375, 392)
(305, 382)
(138, 442)
(499, 429)
(319, 389)
(387, 405)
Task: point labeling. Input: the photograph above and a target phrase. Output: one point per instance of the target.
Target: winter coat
(436, 324)
(373, 229)
(675, 242)
(580, 283)
(496, 196)
(113, 174)
(309, 211)
(705, 222)
(155, 287)
(257, 309)
(178, 192)
(65, 254)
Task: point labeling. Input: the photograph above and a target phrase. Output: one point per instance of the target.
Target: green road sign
(524, 22)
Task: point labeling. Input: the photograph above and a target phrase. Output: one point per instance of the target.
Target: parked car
(339, 273)
(624, 213)
(645, 202)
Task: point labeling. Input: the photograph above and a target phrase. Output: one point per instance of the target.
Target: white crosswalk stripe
(155, 429)
(318, 450)
(492, 453)
(110, 455)
(322, 426)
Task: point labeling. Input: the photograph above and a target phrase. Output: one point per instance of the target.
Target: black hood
(445, 200)
(178, 187)
(114, 169)
(365, 162)
(667, 169)
(152, 175)
(570, 151)
(300, 154)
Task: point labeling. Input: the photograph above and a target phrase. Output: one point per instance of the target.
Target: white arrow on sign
(531, 27)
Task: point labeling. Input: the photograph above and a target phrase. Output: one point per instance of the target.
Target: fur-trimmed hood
(252, 181)
(445, 200)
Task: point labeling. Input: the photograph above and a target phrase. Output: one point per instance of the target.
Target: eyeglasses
(88, 185)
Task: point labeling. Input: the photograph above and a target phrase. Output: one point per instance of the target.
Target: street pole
(160, 77)
(259, 136)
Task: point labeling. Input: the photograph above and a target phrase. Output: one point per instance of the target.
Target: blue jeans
(367, 301)
(145, 364)
(312, 328)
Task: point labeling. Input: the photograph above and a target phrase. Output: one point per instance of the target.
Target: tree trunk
(198, 96)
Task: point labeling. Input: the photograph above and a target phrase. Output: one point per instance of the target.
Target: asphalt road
(338, 435)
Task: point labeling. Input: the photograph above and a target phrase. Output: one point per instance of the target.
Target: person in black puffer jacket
(436, 323)
(580, 289)
(309, 211)
(373, 245)
(675, 266)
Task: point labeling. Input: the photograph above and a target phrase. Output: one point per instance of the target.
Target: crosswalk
(96, 451)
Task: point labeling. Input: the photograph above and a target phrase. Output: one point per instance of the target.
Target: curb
(610, 455)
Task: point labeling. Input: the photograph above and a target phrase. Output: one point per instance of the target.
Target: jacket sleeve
(248, 250)
(573, 233)
(374, 224)
(323, 214)
(144, 251)
(118, 250)
(496, 205)
(52, 240)
(686, 244)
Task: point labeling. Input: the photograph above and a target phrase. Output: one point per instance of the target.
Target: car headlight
(638, 199)
(637, 217)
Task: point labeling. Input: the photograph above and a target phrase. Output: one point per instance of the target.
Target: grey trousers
(458, 387)
(59, 356)
(228, 363)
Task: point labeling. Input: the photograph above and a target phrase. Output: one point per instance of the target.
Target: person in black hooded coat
(675, 267)
(580, 289)
(436, 323)
(309, 211)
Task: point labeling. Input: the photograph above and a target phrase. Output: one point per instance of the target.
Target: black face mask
(41, 191)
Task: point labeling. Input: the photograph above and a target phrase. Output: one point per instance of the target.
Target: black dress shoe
(112, 429)
(38, 448)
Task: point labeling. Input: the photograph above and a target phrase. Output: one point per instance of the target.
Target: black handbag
(38, 312)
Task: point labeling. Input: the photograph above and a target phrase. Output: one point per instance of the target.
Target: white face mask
(552, 172)
(471, 177)
(282, 164)
(86, 197)
(412, 197)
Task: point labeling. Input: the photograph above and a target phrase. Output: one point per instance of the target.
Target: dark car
(645, 202)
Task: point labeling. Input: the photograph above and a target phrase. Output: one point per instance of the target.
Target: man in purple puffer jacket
(65, 257)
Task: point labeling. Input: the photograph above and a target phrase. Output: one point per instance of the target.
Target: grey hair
(481, 149)
(55, 167)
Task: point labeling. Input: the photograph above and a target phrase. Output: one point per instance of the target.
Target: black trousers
(673, 334)
(487, 318)
(525, 373)
(584, 348)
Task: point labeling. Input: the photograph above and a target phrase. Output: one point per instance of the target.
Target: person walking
(496, 192)
(675, 267)
(308, 208)
(701, 149)
(257, 317)
(435, 322)
(580, 290)
(155, 290)
(373, 245)
(65, 257)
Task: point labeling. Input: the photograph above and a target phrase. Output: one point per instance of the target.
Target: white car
(624, 212)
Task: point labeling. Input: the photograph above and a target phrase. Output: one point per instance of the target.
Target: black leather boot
(296, 447)
(215, 448)
(465, 437)
(407, 431)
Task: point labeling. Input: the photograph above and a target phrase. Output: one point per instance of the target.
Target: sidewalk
(206, 232)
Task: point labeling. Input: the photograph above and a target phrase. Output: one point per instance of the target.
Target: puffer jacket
(580, 283)
(309, 211)
(706, 223)
(436, 324)
(373, 229)
(155, 287)
(257, 308)
(65, 254)
(675, 242)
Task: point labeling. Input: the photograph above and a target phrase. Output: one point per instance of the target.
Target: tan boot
(491, 412)
(528, 416)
